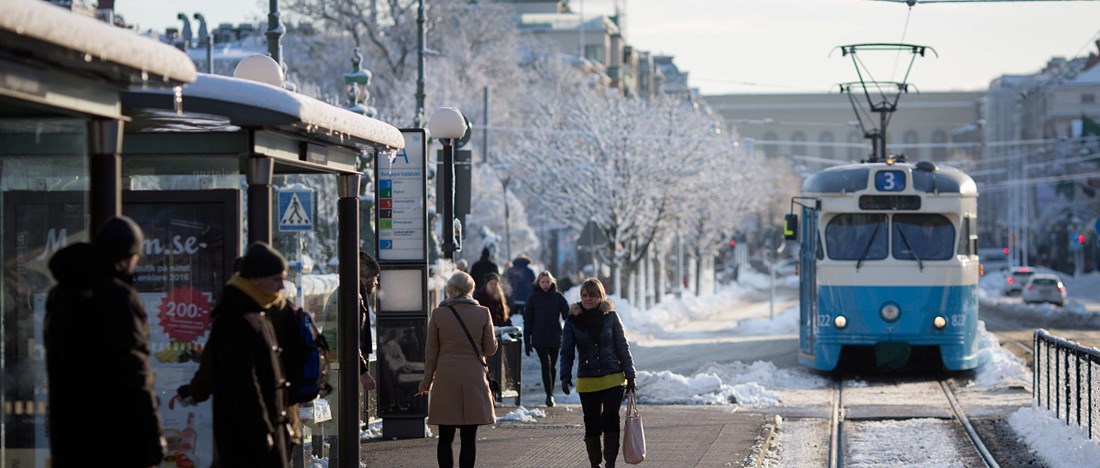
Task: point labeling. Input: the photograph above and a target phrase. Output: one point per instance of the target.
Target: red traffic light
(733, 243)
(1081, 239)
(1006, 250)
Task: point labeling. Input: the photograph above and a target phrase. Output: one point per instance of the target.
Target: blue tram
(888, 266)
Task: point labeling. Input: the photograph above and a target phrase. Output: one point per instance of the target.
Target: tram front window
(857, 236)
(923, 237)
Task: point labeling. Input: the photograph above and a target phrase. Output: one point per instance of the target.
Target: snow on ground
(1058, 444)
(742, 310)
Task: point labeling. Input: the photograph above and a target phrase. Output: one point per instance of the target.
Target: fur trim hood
(606, 306)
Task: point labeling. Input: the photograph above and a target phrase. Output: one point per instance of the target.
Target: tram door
(808, 282)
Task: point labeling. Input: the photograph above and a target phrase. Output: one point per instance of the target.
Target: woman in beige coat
(454, 371)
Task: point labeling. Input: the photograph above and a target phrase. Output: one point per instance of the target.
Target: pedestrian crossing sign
(295, 210)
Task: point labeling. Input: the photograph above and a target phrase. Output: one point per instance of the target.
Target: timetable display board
(401, 201)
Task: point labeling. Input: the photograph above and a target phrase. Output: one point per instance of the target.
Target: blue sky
(757, 46)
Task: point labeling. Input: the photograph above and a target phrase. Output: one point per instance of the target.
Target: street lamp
(504, 174)
(356, 84)
(447, 124)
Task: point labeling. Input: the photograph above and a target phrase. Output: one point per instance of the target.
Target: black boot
(610, 448)
(592, 443)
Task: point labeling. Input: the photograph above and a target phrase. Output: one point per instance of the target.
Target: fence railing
(1063, 380)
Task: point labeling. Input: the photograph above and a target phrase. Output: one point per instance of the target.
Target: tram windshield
(923, 237)
(857, 236)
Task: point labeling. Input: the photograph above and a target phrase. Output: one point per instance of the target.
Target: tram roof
(69, 41)
(856, 177)
(250, 104)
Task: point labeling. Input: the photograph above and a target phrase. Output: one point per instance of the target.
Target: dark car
(1017, 279)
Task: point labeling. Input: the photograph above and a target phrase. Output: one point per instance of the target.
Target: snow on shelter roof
(72, 41)
(253, 104)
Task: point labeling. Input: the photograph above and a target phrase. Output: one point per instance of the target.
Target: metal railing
(1063, 379)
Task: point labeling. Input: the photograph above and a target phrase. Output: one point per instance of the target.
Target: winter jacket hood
(71, 265)
(606, 306)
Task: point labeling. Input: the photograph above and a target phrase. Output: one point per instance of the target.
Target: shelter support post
(105, 150)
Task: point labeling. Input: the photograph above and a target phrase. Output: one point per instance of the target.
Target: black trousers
(548, 359)
(601, 410)
(467, 452)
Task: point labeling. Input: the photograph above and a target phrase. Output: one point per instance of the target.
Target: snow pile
(522, 414)
(1058, 444)
(998, 368)
(722, 384)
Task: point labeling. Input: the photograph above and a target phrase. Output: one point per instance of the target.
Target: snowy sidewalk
(675, 436)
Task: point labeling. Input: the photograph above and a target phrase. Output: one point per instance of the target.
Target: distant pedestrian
(520, 277)
(605, 368)
(461, 264)
(369, 270)
(491, 295)
(102, 404)
(251, 424)
(542, 317)
(460, 335)
(481, 268)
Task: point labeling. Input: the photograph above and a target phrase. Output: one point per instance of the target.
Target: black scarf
(593, 321)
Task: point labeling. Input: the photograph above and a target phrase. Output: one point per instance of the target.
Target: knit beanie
(261, 261)
(117, 238)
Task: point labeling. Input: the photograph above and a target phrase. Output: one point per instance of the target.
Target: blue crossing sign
(295, 210)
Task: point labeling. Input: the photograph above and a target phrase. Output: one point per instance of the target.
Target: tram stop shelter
(61, 121)
(191, 148)
(97, 121)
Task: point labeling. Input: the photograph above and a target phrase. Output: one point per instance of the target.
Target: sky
(786, 46)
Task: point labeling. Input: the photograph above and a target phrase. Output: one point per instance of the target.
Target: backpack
(305, 358)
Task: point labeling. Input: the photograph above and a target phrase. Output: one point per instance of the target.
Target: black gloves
(565, 384)
(630, 385)
(184, 391)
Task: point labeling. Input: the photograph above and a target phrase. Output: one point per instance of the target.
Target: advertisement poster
(191, 238)
(190, 241)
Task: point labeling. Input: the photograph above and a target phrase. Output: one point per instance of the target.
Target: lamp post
(504, 174)
(356, 84)
(447, 124)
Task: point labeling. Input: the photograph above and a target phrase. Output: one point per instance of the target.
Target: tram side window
(969, 244)
(923, 236)
(855, 236)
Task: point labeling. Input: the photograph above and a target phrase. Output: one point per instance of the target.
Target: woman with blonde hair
(542, 317)
(605, 368)
(460, 335)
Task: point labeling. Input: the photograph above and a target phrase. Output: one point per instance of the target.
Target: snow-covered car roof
(248, 103)
(51, 34)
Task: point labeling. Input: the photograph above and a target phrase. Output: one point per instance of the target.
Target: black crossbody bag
(494, 385)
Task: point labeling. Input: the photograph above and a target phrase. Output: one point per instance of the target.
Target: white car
(1043, 287)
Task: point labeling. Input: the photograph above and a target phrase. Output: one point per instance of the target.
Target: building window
(939, 139)
(768, 145)
(855, 153)
(910, 138)
(798, 144)
(593, 52)
(1088, 98)
(827, 149)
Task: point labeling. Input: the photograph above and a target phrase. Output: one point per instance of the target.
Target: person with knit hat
(251, 422)
(102, 404)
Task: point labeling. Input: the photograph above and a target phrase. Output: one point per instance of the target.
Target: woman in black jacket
(605, 368)
(546, 308)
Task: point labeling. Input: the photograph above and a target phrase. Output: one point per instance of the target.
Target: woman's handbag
(494, 386)
(633, 434)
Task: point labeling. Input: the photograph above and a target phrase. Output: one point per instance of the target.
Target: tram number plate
(957, 320)
(824, 320)
(889, 181)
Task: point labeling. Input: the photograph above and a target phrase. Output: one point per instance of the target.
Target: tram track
(861, 430)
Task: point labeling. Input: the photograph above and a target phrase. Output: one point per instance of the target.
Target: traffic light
(1006, 250)
(1081, 239)
(733, 243)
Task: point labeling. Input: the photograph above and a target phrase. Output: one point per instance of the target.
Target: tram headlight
(939, 322)
(890, 312)
(840, 321)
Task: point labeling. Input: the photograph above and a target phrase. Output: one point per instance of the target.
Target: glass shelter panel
(43, 183)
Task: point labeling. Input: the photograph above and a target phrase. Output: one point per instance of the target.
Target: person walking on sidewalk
(460, 334)
(546, 308)
(605, 368)
(520, 278)
(251, 423)
(491, 295)
(102, 404)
